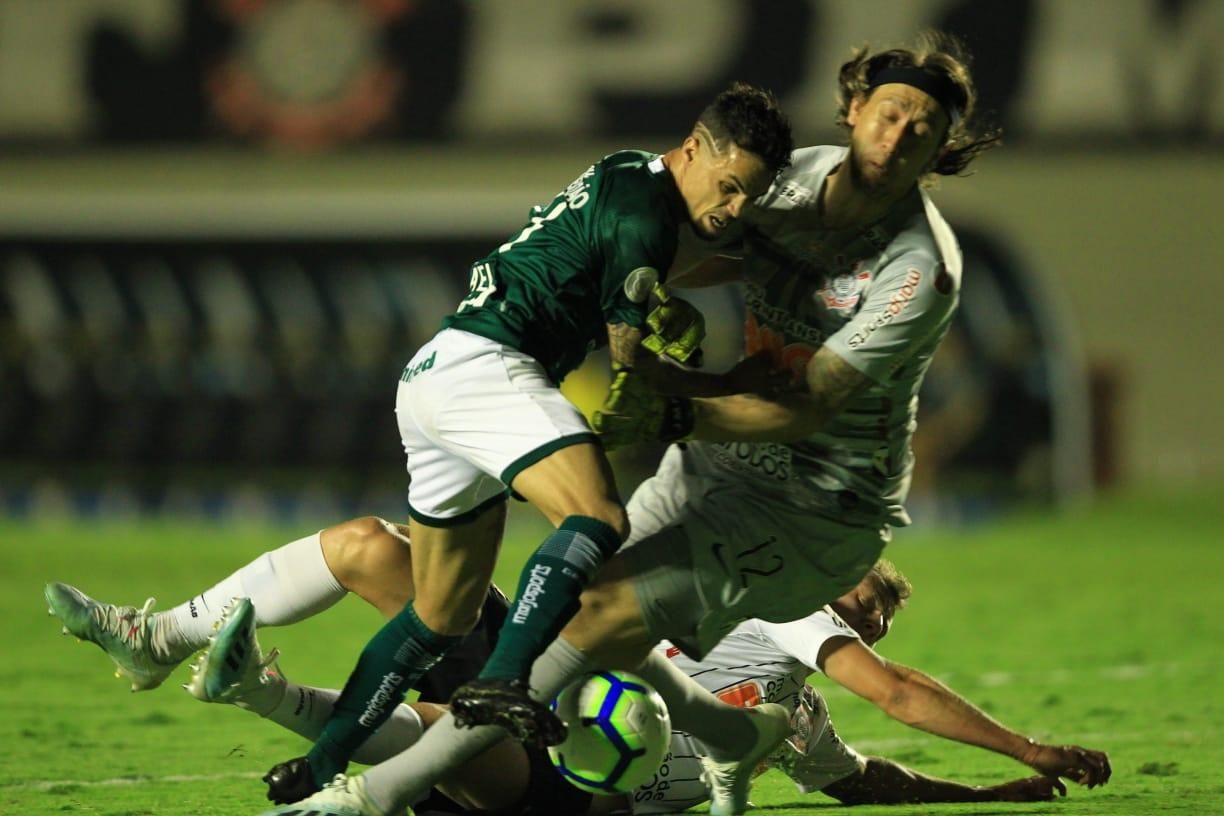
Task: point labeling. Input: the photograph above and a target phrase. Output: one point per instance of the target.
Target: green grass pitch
(1100, 626)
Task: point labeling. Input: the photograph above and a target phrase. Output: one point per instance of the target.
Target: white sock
(304, 710)
(723, 729)
(285, 585)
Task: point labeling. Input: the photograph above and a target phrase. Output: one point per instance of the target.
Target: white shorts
(472, 415)
(707, 552)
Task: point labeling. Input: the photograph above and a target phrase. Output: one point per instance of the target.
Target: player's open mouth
(717, 222)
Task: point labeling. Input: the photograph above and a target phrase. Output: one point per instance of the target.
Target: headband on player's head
(942, 89)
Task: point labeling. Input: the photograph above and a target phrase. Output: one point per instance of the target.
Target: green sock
(391, 662)
(548, 591)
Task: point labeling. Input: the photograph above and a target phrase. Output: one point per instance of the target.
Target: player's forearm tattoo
(832, 381)
(623, 341)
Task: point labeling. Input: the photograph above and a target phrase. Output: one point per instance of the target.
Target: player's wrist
(1027, 750)
(678, 420)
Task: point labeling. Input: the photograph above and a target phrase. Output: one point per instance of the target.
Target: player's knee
(611, 514)
(445, 618)
(609, 621)
(364, 546)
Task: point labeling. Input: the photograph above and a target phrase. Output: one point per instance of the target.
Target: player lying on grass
(758, 662)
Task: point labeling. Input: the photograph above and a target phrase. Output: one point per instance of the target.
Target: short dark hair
(944, 56)
(750, 117)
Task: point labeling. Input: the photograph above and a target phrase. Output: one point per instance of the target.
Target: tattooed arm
(830, 381)
(624, 343)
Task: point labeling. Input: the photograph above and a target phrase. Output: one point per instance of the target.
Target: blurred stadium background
(225, 225)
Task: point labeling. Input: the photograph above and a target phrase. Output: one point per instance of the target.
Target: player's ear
(856, 107)
(690, 147)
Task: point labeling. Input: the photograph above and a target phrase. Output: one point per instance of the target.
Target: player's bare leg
(371, 558)
(575, 490)
(451, 568)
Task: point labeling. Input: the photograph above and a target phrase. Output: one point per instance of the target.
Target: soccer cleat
(290, 781)
(125, 633)
(343, 796)
(507, 704)
(233, 666)
(728, 782)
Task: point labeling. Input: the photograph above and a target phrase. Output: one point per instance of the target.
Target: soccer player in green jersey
(480, 414)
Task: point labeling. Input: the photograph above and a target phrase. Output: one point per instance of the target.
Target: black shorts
(548, 794)
(465, 661)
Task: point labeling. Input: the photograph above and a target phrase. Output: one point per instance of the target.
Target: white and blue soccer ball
(619, 730)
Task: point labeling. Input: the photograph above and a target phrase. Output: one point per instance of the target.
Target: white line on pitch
(51, 784)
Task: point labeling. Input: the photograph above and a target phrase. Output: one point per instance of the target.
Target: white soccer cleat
(233, 668)
(125, 633)
(343, 796)
(728, 782)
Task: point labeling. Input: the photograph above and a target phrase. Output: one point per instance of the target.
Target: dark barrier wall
(168, 365)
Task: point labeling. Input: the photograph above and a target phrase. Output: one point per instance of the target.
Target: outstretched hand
(1082, 766)
(1030, 789)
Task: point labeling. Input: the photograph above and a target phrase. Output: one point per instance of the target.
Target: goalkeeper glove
(633, 413)
(676, 328)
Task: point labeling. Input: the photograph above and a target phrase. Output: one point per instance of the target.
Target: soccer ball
(619, 731)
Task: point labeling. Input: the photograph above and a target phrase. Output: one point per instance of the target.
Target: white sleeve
(910, 300)
(802, 639)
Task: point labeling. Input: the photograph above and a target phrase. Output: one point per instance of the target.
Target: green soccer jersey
(586, 259)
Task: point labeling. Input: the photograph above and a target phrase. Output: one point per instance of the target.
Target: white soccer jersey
(758, 662)
(881, 299)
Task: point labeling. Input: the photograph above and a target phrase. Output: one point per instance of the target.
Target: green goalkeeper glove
(676, 328)
(633, 413)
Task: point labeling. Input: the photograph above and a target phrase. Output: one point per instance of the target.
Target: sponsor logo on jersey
(791, 357)
(796, 194)
(770, 459)
(898, 302)
(842, 292)
(640, 282)
(411, 371)
(782, 319)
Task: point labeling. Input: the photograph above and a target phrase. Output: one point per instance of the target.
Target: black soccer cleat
(290, 781)
(506, 704)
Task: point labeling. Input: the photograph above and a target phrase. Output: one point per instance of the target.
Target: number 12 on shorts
(481, 286)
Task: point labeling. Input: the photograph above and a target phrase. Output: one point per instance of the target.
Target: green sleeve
(638, 249)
